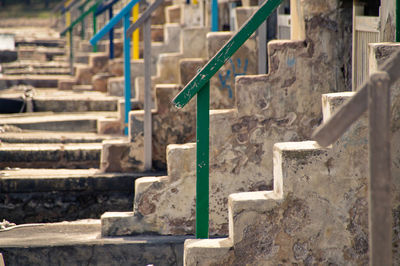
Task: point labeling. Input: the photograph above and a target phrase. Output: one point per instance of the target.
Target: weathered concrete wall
(281, 106)
(169, 126)
(318, 210)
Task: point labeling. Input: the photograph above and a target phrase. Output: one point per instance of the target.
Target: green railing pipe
(70, 28)
(200, 85)
(80, 18)
(81, 10)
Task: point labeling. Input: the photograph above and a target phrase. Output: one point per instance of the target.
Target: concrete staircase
(283, 105)
(317, 211)
(306, 204)
(49, 169)
(173, 70)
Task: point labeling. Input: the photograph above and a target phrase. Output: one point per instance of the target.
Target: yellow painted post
(67, 20)
(135, 34)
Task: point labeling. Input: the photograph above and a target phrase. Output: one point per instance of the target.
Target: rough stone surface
(243, 62)
(189, 68)
(318, 210)
(50, 155)
(281, 106)
(78, 243)
(38, 195)
(169, 126)
(100, 81)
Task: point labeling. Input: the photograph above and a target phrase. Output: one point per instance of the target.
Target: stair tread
(49, 146)
(53, 137)
(49, 116)
(86, 232)
(51, 93)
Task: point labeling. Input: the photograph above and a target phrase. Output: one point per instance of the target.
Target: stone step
(34, 64)
(60, 58)
(38, 71)
(50, 155)
(53, 100)
(48, 121)
(54, 195)
(37, 81)
(79, 242)
(82, 88)
(39, 53)
(46, 42)
(51, 137)
(81, 58)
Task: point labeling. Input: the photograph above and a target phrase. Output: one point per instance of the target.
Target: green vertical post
(71, 53)
(397, 20)
(202, 161)
(94, 28)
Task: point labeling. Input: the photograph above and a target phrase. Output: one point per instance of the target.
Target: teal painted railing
(124, 15)
(91, 10)
(200, 85)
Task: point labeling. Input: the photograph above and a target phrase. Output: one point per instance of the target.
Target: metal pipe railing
(69, 30)
(124, 15)
(145, 19)
(200, 85)
(101, 9)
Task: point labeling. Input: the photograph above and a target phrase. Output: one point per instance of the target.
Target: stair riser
(70, 159)
(74, 105)
(89, 254)
(66, 126)
(38, 83)
(38, 72)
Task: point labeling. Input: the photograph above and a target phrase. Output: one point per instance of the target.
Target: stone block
(189, 67)
(100, 81)
(216, 249)
(242, 15)
(98, 61)
(116, 157)
(83, 75)
(173, 14)
(243, 62)
(194, 42)
(66, 84)
(112, 126)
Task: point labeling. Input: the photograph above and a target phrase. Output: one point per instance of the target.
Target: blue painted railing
(124, 15)
(214, 15)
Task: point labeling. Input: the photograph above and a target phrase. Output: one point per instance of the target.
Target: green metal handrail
(200, 85)
(91, 10)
